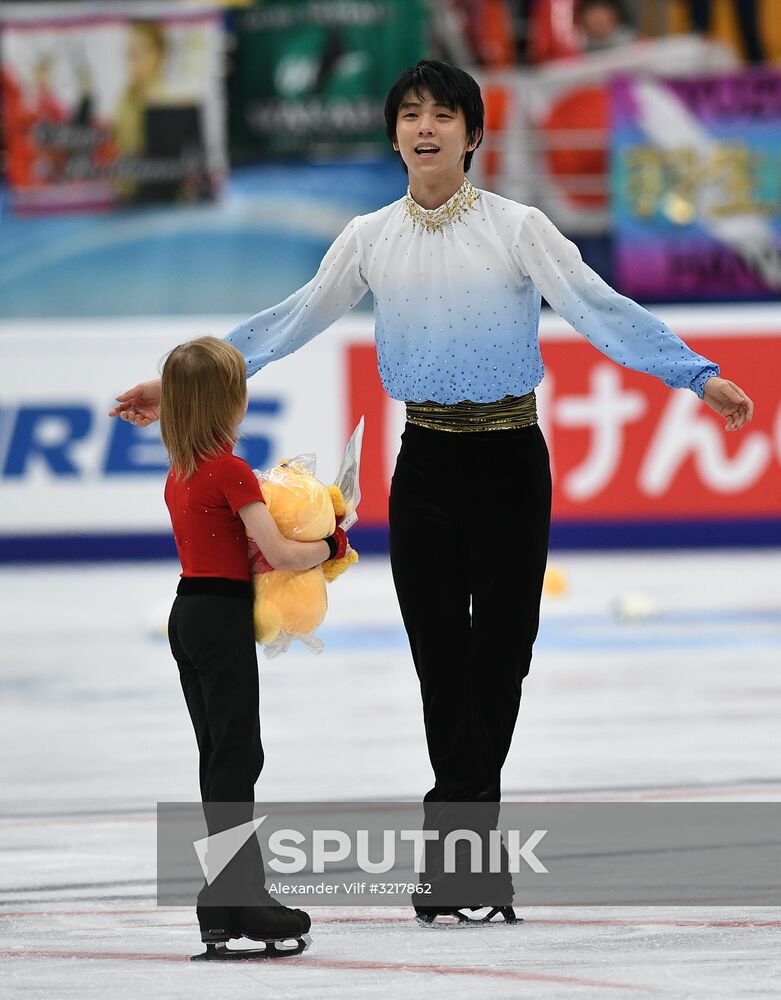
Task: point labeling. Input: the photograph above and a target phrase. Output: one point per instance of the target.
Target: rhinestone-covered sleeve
(281, 329)
(615, 325)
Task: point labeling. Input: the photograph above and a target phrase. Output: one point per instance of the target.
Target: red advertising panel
(623, 446)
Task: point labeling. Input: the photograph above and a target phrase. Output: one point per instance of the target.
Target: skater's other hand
(728, 400)
(139, 405)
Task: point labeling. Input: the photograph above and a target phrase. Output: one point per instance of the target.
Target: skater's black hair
(448, 85)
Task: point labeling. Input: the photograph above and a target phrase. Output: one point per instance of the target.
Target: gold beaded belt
(503, 415)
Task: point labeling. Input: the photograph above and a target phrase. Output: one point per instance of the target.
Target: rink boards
(633, 463)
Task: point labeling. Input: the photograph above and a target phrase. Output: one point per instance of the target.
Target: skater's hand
(139, 405)
(728, 400)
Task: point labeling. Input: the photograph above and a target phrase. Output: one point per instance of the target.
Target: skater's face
(431, 137)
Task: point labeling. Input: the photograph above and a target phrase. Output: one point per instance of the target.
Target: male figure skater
(457, 274)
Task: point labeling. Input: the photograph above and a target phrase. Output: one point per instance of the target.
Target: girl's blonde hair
(204, 384)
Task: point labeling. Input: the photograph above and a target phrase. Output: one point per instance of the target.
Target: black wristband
(333, 545)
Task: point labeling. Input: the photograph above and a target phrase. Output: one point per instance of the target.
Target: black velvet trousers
(469, 528)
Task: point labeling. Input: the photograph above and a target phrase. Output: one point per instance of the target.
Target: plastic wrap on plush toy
(348, 479)
(298, 502)
(291, 604)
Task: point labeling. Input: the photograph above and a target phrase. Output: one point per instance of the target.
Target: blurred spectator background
(249, 105)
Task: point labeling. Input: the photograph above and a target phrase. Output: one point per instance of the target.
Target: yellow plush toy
(291, 604)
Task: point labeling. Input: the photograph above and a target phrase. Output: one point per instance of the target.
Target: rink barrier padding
(634, 465)
(372, 540)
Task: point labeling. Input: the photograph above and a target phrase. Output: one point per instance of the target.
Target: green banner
(312, 75)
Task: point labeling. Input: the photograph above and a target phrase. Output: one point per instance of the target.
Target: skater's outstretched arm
(281, 329)
(616, 325)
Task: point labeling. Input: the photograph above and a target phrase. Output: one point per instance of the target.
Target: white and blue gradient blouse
(457, 302)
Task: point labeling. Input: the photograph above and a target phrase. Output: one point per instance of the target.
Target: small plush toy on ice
(291, 604)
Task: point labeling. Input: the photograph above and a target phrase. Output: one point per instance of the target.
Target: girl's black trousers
(212, 638)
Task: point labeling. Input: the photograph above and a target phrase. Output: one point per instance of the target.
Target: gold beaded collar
(433, 219)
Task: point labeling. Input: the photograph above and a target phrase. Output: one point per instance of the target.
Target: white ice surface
(684, 704)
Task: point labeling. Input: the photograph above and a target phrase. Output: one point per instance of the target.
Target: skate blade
(274, 948)
(452, 921)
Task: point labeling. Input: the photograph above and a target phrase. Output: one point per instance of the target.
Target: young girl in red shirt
(216, 504)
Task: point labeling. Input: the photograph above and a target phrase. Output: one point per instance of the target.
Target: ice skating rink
(677, 699)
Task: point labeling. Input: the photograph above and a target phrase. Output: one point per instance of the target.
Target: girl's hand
(139, 405)
(728, 400)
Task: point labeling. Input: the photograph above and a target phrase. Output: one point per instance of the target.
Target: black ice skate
(282, 931)
(459, 916)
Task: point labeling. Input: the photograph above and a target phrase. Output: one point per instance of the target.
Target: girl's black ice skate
(218, 951)
(282, 931)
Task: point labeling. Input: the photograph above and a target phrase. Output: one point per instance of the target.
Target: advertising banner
(108, 104)
(633, 462)
(313, 76)
(68, 471)
(548, 128)
(697, 185)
